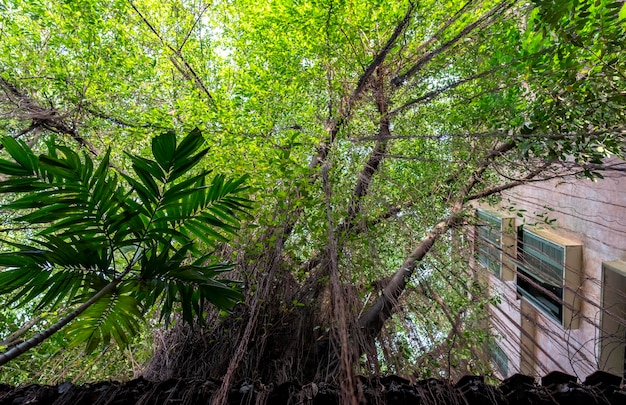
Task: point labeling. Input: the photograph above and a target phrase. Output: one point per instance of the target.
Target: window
(613, 328)
(541, 275)
(499, 359)
(494, 242)
(489, 238)
(549, 273)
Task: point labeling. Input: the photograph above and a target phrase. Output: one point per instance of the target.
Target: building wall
(593, 213)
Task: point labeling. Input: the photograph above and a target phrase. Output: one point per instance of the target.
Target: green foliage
(578, 85)
(279, 73)
(143, 232)
(54, 362)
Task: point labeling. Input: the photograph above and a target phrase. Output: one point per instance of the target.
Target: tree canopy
(367, 129)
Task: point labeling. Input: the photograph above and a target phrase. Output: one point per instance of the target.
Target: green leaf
(103, 167)
(148, 181)
(116, 315)
(58, 167)
(189, 145)
(164, 149)
(13, 169)
(184, 165)
(20, 152)
(149, 166)
(147, 198)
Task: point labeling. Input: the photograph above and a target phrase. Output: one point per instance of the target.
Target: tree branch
(377, 155)
(346, 109)
(380, 57)
(121, 122)
(434, 93)
(25, 108)
(437, 35)
(361, 188)
(186, 70)
(334, 126)
(375, 317)
(13, 338)
(484, 20)
(507, 186)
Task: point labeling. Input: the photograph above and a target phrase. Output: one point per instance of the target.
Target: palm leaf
(115, 244)
(115, 316)
(25, 160)
(163, 149)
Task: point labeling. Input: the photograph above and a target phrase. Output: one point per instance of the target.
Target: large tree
(368, 129)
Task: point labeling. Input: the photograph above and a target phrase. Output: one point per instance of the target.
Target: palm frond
(113, 245)
(115, 316)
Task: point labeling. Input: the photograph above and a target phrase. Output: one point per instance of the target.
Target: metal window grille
(489, 246)
(499, 358)
(541, 273)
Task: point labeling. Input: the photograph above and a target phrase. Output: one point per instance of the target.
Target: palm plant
(110, 245)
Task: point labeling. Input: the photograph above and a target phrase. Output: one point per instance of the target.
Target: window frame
(489, 241)
(498, 358)
(501, 266)
(547, 282)
(612, 345)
